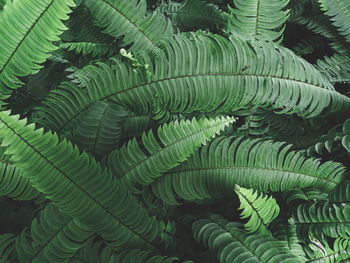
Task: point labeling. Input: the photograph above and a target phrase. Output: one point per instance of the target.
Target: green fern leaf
(322, 219)
(100, 129)
(339, 11)
(54, 238)
(259, 208)
(259, 164)
(262, 19)
(23, 24)
(306, 194)
(285, 232)
(12, 182)
(319, 24)
(7, 248)
(182, 81)
(77, 185)
(128, 18)
(341, 193)
(194, 14)
(335, 68)
(177, 141)
(233, 244)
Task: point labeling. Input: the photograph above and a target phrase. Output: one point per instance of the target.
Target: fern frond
(259, 208)
(77, 185)
(177, 141)
(285, 232)
(233, 244)
(85, 48)
(320, 24)
(134, 125)
(335, 68)
(7, 248)
(306, 194)
(341, 193)
(323, 219)
(194, 14)
(23, 24)
(12, 182)
(182, 81)
(298, 8)
(100, 129)
(258, 164)
(128, 19)
(339, 11)
(54, 237)
(263, 19)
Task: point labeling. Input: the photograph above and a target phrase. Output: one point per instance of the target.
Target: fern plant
(174, 131)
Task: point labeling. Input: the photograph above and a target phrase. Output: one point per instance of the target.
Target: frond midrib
(25, 36)
(99, 128)
(251, 204)
(41, 248)
(172, 144)
(192, 76)
(132, 22)
(77, 185)
(245, 167)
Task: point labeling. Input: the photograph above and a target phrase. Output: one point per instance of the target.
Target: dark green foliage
(168, 131)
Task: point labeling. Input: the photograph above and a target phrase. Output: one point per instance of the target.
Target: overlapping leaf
(177, 141)
(77, 185)
(24, 24)
(54, 237)
(129, 19)
(243, 75)
(262, 19)
(259, 208)
(259, 164)
(233, 244)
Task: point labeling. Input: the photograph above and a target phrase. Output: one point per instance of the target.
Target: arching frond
(306, 194)
(194, 14)
(77, 185)
(320, 24)
(323, 219)
(233, 244)
(54, 237)
(12, 182)
(20, 54)
(182, 81)
(128, 19)
(339, 11)
(7, 248)
(335, 68)
(287, 233)
(298, 8)
(259, 208)
(135, 124)
(100, 129)
(177, 141)
(263, 19)
(258, 164)
(341, 193)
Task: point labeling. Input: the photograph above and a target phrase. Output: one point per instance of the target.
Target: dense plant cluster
(174, 131)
